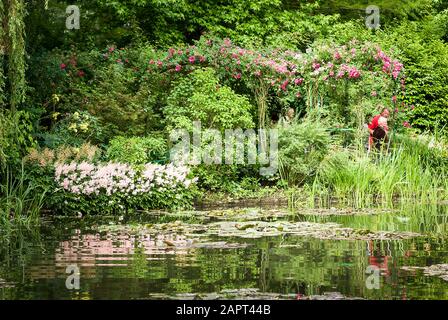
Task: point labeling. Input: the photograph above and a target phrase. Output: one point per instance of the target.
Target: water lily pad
(438, 270)
(251, 294)
(172, 235)
(242, 214)
(329, 296)
(6, 284)
(333, 231)
(340, 212)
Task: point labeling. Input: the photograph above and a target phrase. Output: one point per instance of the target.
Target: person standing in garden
(378, 129)
(288, 118)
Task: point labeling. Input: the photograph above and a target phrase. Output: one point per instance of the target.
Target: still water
(150, 256)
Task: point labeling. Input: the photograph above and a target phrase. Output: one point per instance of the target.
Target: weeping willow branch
(16, 54)
(12, 53)
(2, 55)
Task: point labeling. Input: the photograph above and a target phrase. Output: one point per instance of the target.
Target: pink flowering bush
(323, 74)
(112, 187)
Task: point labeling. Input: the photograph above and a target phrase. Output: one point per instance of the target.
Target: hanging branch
(16, 52)
(261, 96)
(2, 54)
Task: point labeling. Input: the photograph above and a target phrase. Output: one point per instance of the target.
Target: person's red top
(374, 124)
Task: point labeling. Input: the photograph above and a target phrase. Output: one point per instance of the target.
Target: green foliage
(170, 22)
(21, 199)
(391, 11)
(119, 204)
(111, 85)
(414, 170)
(12, 46)
(200, 97)
(137, 150)
(73, 130)
(232, 179)
(302, 147)
(15, 137)
(421, 46)
(84, 93)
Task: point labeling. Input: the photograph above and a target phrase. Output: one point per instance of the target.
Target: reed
(411, 172)
(20, 200)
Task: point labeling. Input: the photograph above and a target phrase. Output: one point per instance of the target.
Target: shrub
(110, 84)
(227, 178)
(63, 154)
(137, 150)
(15, 137)
(200, 97)
(302, 147)
(73, 129)
(114, 187)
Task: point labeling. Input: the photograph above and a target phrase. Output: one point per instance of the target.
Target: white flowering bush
(117, 186)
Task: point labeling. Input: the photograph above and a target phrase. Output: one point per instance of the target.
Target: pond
(243, 253)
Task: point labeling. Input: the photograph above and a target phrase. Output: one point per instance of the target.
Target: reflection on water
(136, 263)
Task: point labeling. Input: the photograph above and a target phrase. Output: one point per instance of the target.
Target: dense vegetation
(86, 115)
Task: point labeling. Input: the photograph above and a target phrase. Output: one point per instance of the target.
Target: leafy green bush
(15, 137)
(414, 170)
(302, 147)
(73, 130)
(110, 84)
(137, 150)
(227, 178)
(200, 97)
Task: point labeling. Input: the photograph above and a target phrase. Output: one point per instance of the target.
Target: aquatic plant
(411, 171)
(21, 199)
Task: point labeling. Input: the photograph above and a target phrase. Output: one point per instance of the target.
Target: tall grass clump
(20, 199)
(413, 170)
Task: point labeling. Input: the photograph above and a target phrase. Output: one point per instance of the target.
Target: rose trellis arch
(288, 72)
